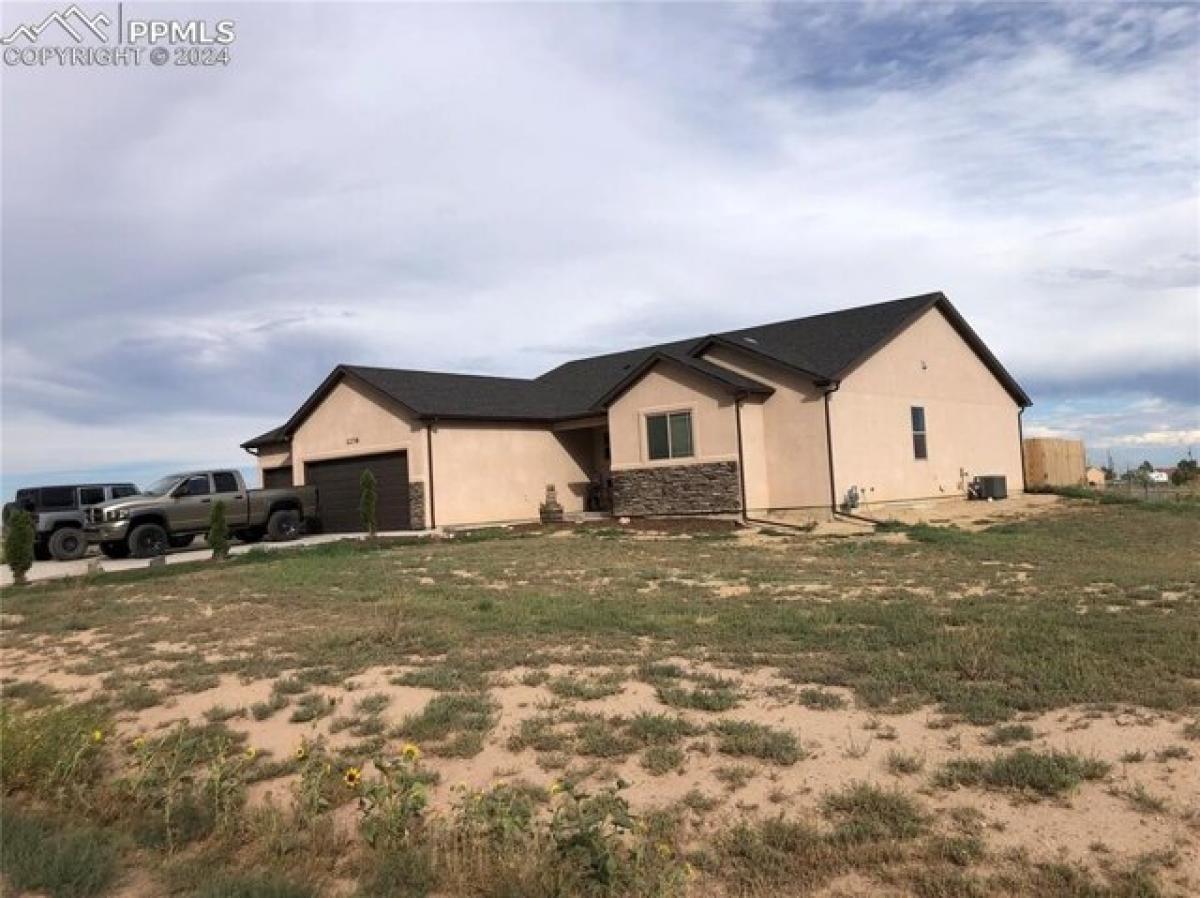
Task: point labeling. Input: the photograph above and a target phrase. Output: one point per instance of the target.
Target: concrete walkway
(55, 570)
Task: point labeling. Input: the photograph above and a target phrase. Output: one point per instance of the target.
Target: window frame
(187, 493)
(667, 415)
(93, 490)
(232, 479)
(920, 436)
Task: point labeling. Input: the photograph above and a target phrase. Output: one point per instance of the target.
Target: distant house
(892, 402)
(1095, 476)
(1158, 476)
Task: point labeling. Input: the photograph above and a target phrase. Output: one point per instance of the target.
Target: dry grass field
(1004, 710)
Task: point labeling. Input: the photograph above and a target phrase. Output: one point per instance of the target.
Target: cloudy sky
(496, 189)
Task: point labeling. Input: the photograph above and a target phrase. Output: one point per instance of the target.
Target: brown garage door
(337, 483)
(277, 478)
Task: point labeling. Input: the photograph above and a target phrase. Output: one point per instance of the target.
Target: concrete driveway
(54, 570)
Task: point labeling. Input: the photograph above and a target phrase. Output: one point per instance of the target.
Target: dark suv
(59, 513)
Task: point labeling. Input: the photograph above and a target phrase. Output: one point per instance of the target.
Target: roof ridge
(924, 297)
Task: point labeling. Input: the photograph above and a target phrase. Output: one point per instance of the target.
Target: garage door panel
(338, 485)
(277, 478)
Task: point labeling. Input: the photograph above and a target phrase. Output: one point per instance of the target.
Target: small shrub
(1173, 753)
(1133, 757)
(218, 532)
(1191, 730)
(138, 697)
(311, 706)
(586, 688)
(1043, 773)
(658, 729)
(460, 719)
(597, 738)
(32, 693)
(289, 686)
(18, 544)
(866, 813)
(740, 738)
(39, 855)
(820, 699)
(220, 713)
(443, 678)
(734, 776)
(1008, 733)
(368, 502)
(904, 763)
(662, 759)
(373, 704)
(961, 850)
(699, 698)
(262, 710)
(773, 856)
(697, 801)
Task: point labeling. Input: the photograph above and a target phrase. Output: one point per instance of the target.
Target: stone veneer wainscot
(677, 489)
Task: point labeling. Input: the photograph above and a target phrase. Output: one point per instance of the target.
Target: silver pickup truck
(171, 512)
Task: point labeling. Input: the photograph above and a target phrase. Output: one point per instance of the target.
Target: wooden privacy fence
(1052, 462)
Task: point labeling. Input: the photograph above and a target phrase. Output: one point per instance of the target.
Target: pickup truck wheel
(115, 550)
(148, 541)
(68, 544)
(181, 542)
(284, 525)
(41, 552)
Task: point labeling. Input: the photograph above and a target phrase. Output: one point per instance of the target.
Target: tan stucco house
(894, 402)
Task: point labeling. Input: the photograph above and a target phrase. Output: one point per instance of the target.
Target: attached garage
(277, 478)
(338, 485)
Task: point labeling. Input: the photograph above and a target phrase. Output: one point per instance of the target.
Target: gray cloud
(501, 188)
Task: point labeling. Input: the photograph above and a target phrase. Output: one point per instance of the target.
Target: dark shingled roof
(824, 347)
(274, 435)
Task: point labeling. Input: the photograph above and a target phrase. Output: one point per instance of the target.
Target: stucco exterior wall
(672, 388)
(486, 473)
(787, 459)
(276, 456)
(353, 421)
(971, 420)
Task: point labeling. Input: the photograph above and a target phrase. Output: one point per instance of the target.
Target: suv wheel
(115, 550)
(148, 541)
(68, 544)
(284, 525)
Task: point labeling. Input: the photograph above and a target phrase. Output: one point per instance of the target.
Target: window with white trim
(670, 435)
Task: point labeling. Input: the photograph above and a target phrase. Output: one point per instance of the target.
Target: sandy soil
(1095, 822)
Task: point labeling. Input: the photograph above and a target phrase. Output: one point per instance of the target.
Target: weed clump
(1041, 773)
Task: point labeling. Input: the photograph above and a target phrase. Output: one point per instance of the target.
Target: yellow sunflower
(301, 752)
(352, 777)
(251, 753)
(97, 736)
(410, 752)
